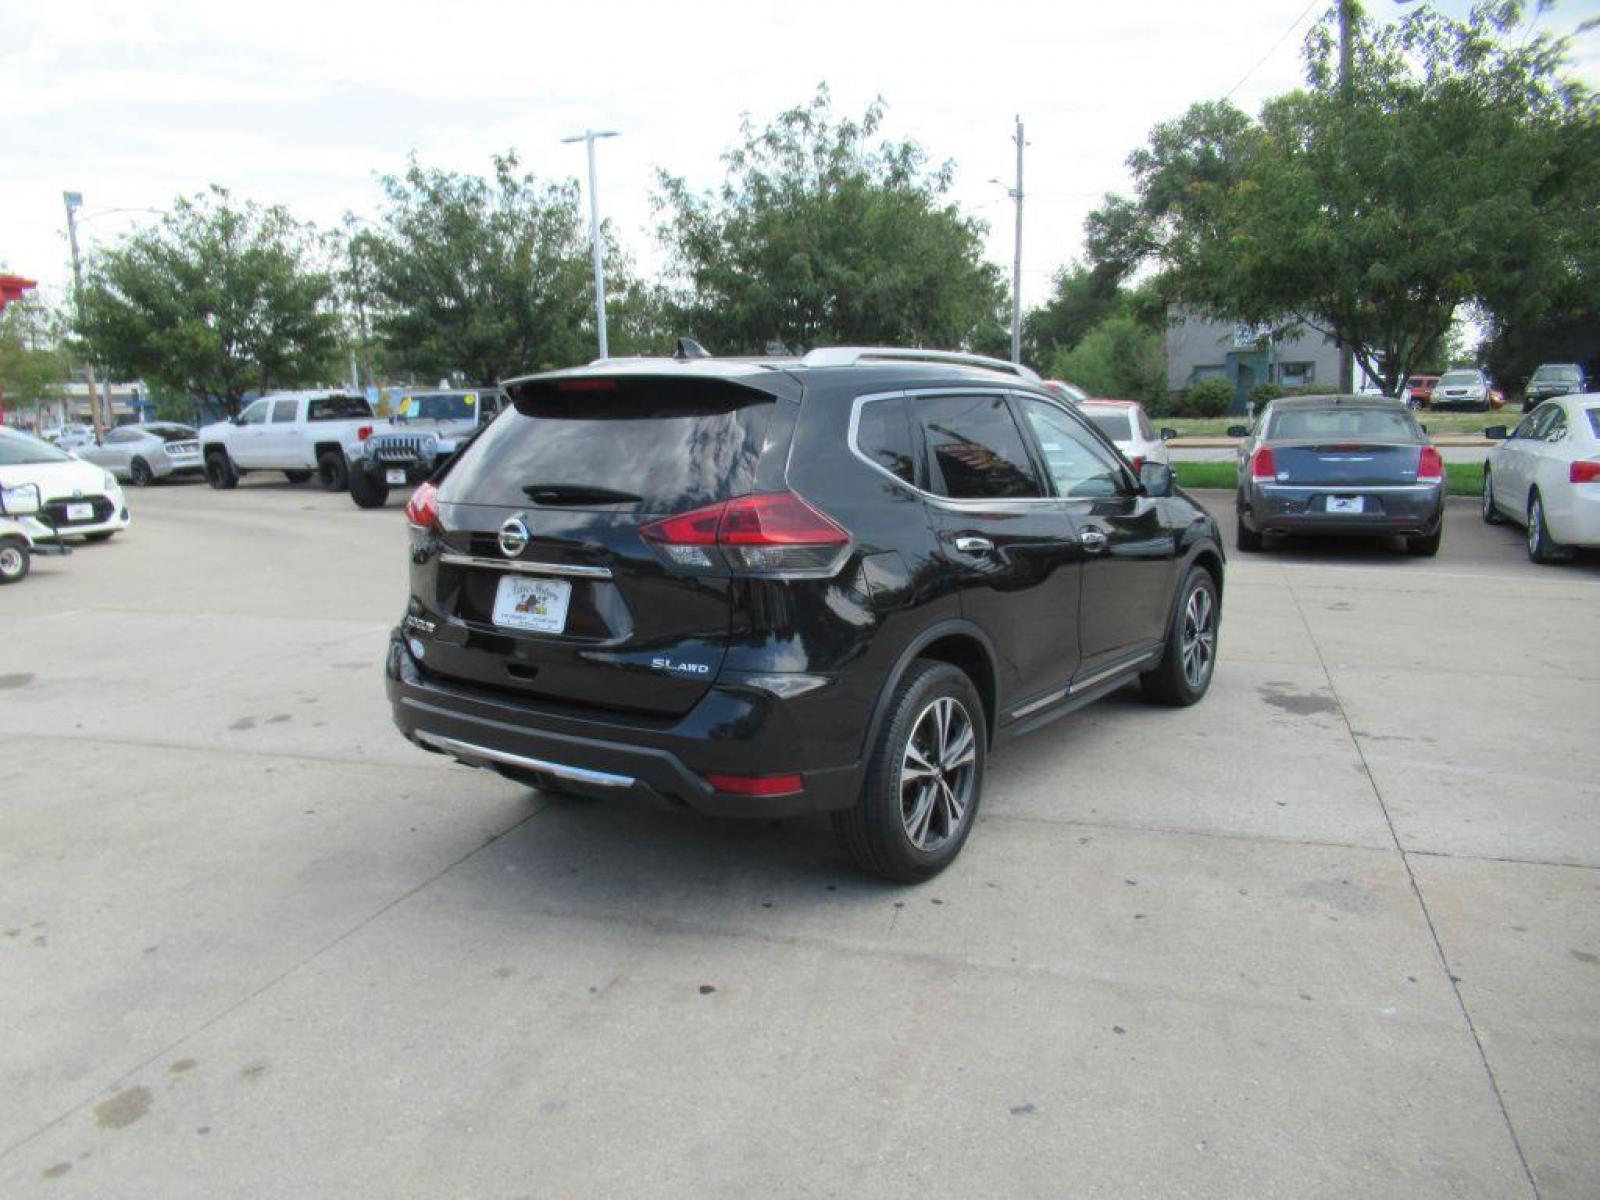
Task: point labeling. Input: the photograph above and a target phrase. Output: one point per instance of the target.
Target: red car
(1419, 390)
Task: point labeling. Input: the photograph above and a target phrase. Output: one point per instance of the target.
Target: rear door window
(975, 450)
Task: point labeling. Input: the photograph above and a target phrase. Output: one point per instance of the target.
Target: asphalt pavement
(1333, 932)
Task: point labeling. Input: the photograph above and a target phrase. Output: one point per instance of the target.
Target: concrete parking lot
(1333, 932)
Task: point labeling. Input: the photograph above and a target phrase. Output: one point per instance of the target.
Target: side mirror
(1495, 433)
(1238, 431)
(1155, 479)
(1168, 433)
(1422, 427)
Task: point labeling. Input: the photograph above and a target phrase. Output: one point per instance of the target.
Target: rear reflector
(1430, 466)
(1584, 470)
(757, 785)
(773, 533)
(1262, 468)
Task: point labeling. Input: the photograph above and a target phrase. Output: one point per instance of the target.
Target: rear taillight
(775, 533)
(757, 785)
(1430, 466)
(1584, 470)
(422, 510)
(1262, 468)
(363, 433)
(1136, 462)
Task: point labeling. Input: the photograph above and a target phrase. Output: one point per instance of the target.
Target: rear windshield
(172, 433)
(339, 408)
(676, 444)
(440, 406)
(1341, 423)
(1113, 424)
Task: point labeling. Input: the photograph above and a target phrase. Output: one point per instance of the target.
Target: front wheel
(920, 795)
(1190, 656)
(140, 474)
(220, 471)
(15, 559)
(368, 490)
(1542, 548)
(333, 471)
(1491, 512)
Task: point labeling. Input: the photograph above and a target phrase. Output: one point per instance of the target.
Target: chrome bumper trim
(478, 756)
(456, 559)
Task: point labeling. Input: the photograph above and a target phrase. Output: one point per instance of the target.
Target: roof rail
(849, 356)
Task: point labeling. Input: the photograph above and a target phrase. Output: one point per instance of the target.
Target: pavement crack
(1422, 901)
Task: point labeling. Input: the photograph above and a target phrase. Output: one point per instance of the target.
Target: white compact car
(1546, 476)
(80, 499)
(1124, 422)
(143, 454)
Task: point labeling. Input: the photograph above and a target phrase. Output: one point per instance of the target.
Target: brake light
(770, 533)
(1262, 468)
(587, 385)
(1430, 466)
(757, 785)
(363, 433)
(1136, 461)
(1584, 470)
(422, 510)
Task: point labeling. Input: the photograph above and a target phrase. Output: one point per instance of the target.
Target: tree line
(1456, 169)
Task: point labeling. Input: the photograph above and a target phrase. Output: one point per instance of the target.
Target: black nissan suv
(763, 587)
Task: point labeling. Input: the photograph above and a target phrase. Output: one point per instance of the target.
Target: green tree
(1083, 296)
(33, 363)
(1441, 177)
(482, 279)
(1121, 357)
(820, 236)
(215, 299)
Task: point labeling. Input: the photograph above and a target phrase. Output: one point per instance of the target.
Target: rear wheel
(1427, 546)
(140, 474)
(220, 471)
(1184, 672)
(367, 490)
(1491, 514)
(920, 795)
(298, 476)
(1542, 548)
(15, 559)
(1248, 540)
(333, 471)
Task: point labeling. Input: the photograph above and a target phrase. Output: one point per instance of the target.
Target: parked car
(1552, 380)
(1466, 388)
(22, 532)
(1124, 422)
(78, 498)
(73, 438)
(298, 433)
(1419, 390)
(1069, 392)
(830, 583)
(1339, 465)
(426, 431)
(142, 454)
(1546, 476)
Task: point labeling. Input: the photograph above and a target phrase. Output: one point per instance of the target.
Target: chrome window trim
(456, 559)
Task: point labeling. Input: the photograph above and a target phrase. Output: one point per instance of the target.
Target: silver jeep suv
(427, 430)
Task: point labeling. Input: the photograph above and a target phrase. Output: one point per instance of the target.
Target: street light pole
(588, 137)
(1347, 11)
(1016, 262)
(74, 201)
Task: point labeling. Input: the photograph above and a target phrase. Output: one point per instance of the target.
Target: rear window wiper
(577, 493)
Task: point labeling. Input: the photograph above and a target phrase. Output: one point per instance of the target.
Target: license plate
(1344, 504)
(80, 512)
(395, 476)
(536, 605)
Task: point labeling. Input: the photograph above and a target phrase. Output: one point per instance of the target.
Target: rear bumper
(1398, 511)
(660, 763)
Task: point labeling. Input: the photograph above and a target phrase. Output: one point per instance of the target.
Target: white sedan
(1124, 422)
(144, 453)
(79, 498)
(1546, 476)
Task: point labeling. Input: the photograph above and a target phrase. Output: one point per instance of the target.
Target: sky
(306, 104)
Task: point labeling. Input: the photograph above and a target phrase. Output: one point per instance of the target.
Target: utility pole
(1016, 262)
(589, 136)
(74, 201)
(1347, 15)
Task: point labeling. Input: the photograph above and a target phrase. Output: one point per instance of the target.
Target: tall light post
(74, 201)
(589, 136)
(1016, 260)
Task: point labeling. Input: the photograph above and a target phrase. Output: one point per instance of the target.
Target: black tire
(1428, 545)
(220, 471)
(1491, 514)
(1542, 548)
(105, 535)
(1189, 658)
(140, 474)
(875, 831)
(367, 489)
(333, 471)
(298, 476)
(1247, 540)
(15, 560)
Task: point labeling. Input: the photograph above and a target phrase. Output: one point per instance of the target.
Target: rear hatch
(590, 615)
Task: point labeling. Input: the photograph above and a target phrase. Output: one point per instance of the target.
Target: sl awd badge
(514, 536)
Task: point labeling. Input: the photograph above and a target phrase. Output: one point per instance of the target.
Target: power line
(1283, 37)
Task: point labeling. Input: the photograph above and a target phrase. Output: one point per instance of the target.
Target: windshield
(19, 450)
(1341, 424)
(1459, 379)
(1556, 374)
(440, 406)
(1112, 423)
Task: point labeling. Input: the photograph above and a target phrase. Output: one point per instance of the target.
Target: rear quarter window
(1594, 420)
(883, 437)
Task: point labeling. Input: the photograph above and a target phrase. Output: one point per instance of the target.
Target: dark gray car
(1339, 465)
(1552, 380)
(428, 429)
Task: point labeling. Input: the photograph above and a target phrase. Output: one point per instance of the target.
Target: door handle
(1093, 540)
(968, 544)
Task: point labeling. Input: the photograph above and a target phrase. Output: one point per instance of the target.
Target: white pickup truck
(298, 433)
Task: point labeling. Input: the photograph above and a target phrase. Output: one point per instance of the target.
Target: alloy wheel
(1199, 637)
(11, 562)
(937, 774)
(1535, 527)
